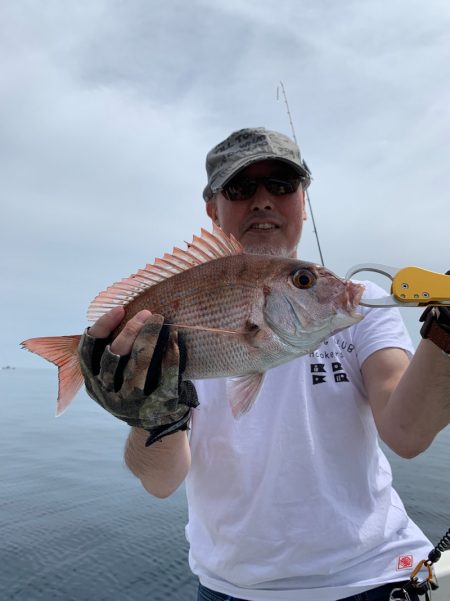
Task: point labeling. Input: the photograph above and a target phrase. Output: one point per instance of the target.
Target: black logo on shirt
(319, 372)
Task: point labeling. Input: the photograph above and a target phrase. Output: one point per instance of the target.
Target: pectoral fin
(242, 392)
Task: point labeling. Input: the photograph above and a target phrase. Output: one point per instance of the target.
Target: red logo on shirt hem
(405, 562)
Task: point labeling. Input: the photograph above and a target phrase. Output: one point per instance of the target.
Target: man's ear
(211, 209)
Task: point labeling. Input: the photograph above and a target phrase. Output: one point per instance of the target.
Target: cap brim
(220, 182)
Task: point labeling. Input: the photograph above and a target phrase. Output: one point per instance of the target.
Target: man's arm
(410, 401)
(162, 466)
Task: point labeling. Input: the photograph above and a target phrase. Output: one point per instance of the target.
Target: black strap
(158, 433)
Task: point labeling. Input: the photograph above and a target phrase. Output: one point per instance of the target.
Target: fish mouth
(354, 294)
(344, 295)
(348, 300)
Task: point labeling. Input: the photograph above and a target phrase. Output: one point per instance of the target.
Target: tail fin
(63, 352)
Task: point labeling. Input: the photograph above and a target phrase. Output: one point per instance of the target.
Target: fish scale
(211, 296)
(220, 294)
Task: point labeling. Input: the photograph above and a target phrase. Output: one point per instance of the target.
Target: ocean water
(75, 525)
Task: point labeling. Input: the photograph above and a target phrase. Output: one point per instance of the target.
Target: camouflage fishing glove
(144, 389)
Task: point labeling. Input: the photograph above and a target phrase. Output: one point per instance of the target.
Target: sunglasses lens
(240, 189)
(279, 187)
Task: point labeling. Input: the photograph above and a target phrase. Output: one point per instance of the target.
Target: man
(294, 500)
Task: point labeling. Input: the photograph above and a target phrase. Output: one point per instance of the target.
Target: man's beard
(266, 249)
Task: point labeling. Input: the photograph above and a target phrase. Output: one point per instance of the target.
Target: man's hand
(138, 377)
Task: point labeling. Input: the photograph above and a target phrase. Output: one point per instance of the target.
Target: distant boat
(8, 367)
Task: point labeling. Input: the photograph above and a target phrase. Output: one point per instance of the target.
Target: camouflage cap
(247, 146)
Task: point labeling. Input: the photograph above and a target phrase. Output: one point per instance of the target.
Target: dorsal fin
(208, 247)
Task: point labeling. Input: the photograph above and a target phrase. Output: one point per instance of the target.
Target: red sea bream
(239, 314)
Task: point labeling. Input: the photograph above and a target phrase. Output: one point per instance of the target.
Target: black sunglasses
(243, 188)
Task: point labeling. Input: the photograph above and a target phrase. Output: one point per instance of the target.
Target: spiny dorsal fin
(207, 247)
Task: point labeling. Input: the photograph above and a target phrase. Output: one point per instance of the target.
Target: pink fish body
(239, 314)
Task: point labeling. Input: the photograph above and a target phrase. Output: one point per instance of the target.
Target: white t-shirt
(294, 501)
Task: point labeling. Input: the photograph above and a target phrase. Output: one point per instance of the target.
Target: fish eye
(303, 278)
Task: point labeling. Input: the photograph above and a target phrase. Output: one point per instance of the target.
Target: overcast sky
(107, 109)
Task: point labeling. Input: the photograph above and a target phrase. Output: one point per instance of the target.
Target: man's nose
(262, 199)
